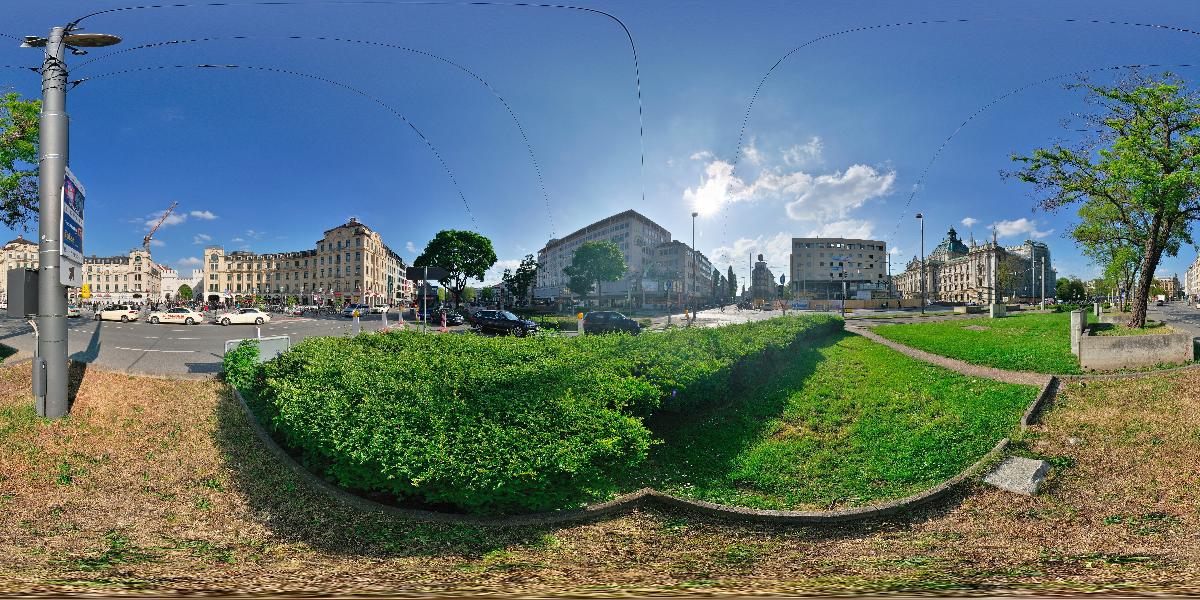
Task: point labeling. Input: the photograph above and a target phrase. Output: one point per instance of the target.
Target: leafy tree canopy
(18, 159)
(464, 254)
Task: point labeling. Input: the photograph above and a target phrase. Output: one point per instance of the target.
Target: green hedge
(496, 424)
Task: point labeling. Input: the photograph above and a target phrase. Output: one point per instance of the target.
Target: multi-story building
(982, 273)
(678, 273)
(823, 267)
(1170, 286)
(131, 279)
(762, 281)
(172, 282)
(1191, 279)
(638, 238)
(16, 254)
(350, 263)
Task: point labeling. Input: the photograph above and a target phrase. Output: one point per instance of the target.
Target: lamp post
(54, 149)
(921, 218)
(692, 296)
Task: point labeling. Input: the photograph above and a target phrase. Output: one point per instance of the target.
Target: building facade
(350, 264)
(1171, 286)
(172, 282)
(19, 253)
(638, 238)
(762, 282)
(678, 274)
(981, 273)
(824, 267)
(1191, 279)
(128, 279)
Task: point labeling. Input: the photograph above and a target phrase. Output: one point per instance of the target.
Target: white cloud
(237, 240)
(157, 243)
(254, 235)
(752, 154)
(492, 275)
(204, 215)
(776, 250)
(1020, 227)
(173, 219)
(190, 261)
(201, 238)
(670, 162)
(894, 251)
(970, 222)
(410, 247)
(702, 155)
(805, 154)
(847, 228)
(836, 194)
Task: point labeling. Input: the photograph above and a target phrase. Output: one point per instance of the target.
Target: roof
(20, 240)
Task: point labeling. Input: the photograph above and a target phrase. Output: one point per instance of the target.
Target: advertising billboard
(70, 244)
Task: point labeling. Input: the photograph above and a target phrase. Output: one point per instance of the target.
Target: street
(1179, 314)
(171, 349)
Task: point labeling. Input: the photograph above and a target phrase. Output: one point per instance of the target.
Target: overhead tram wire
(763, 80)
(388, 107)
(637, 72)
(937, 153)
(511, 112)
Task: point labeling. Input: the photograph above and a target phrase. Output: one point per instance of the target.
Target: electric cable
(628, 34)
(511, 112)
(388, 107)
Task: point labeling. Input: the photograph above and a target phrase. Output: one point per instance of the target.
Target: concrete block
(1078, 323)
(1018, 475)
(996, 311)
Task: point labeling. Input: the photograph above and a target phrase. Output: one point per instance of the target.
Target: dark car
(503, 322)
(607, 321)
(452, 318)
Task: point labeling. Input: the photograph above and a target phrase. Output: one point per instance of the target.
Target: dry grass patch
(155, 484)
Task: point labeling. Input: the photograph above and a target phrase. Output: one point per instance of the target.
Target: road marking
(182, 338)
(149, 350)
(178, 330)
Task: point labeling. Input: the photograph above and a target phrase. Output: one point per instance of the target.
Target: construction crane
(166, 213)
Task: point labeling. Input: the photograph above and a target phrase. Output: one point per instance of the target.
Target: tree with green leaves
(594, 262)
(1069, 289)
(463, 254)
(185, 292)
(733, 289)
(18, 159)
(487, 294)
(1141, 170)
(716, 284)
(522, 280)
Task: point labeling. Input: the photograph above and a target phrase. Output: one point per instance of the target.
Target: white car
(73, 311)
(183, 315)
(379, 309)
(243, 316)
(118, 312)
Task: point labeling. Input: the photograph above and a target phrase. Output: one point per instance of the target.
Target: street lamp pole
(691, 298)
(921, 218)
(1043, 264)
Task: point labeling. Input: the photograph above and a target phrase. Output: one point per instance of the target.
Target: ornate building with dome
(987, 273)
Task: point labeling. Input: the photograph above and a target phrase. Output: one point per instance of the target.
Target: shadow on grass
(700, 448)
(78, 364)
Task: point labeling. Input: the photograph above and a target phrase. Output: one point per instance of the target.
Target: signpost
(71, 242)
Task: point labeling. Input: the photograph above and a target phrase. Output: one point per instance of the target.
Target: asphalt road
(1178, 314)
(171, 350)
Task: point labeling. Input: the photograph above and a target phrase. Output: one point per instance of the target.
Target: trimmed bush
(497, 424)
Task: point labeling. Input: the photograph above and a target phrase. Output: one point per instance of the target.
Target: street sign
(419, 273)
(70, 244)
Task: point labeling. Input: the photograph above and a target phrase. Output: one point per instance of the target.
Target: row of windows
(839, 245)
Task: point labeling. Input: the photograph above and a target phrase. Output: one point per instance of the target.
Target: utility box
(22, 292)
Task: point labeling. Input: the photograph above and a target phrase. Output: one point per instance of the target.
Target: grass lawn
(915, 315)
(157, 486)
(847, 422)
(1033, 342)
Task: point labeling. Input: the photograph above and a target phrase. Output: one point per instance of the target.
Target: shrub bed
(496, 424)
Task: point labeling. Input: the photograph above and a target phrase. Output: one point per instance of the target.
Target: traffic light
(85, 292)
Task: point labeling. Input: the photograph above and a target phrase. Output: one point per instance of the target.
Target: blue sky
(837, 142)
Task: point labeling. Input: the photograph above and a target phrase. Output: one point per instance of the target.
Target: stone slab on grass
(1018, 475)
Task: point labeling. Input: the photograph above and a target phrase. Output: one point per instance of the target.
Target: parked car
(117, 312)
(452, 318)
(1158, 302)
(180, 314)
(503, 322)
(608, 321)
(243, 316)
(73, 311)
(362, 309)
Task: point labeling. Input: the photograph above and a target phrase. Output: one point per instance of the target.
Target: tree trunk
(1146, 277)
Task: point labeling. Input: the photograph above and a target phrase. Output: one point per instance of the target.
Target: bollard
(1078, 322)
(356, 327)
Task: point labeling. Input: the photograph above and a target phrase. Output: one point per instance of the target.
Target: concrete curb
(648, 496)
